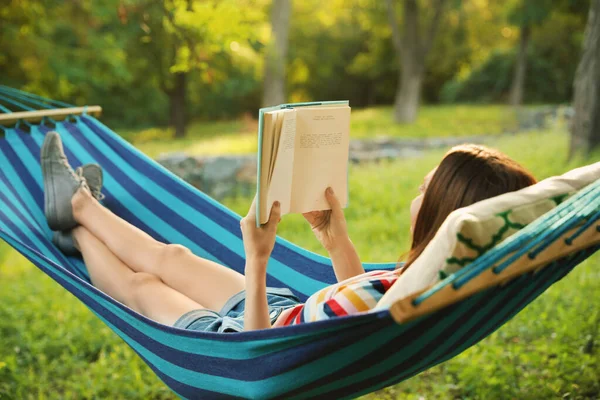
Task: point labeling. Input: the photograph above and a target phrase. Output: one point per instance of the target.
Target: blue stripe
(218, 245)
(221, 215)
(19, 216)
(307, 262)
(302, 353)
(378, 285)
(124, 330)
(333, 358)
(11, 91)
(477, 308)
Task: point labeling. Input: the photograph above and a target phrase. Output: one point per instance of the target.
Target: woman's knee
(170, 254)
(140, 285)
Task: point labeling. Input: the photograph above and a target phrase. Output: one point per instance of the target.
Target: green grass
(52, 347)
(204, 138)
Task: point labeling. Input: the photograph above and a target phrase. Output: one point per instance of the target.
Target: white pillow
(483, 225)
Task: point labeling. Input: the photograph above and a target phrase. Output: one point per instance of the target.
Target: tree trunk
(585, 129)
(276, 54)
(408, 93)
(518, 83)
(412, 47)
(177, 104)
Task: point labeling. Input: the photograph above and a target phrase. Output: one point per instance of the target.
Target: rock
(389, 153)
(220, 169)
(172, 158)
(220, 190)
(247, 172)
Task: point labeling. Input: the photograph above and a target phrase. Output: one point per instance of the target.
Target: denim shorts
(231, 316)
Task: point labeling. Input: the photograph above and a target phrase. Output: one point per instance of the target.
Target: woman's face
(415, 206)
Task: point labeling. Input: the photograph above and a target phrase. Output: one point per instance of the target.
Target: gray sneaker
(60, 183)
(65, 242)
(94, 178)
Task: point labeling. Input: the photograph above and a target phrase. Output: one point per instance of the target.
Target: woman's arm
(330, 229)
(258, 245)
(344, 258)
(256, 315)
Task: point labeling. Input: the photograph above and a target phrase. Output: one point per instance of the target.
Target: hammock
(338, 358)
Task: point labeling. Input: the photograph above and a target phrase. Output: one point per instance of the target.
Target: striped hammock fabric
(338, 358)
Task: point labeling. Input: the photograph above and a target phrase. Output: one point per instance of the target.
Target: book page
(265, 161)
(278, 123)
(280, 185)
(320, 157)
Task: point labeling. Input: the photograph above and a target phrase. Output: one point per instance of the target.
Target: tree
(180, 36)
(412, 47)
(66, 50)
(276, 54)
(585, 130)
(526, 15)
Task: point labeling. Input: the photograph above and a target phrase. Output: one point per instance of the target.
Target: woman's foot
(94, 178)
(64, 240)
(60, 184)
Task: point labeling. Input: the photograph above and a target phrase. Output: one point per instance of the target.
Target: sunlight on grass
(435, 121)
(240, 137)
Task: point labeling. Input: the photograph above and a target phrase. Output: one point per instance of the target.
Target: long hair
(467, 174)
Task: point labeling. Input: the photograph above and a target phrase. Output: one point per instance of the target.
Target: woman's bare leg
(144, 293)
(202, 280)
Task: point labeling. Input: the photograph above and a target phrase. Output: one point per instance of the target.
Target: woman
(168, 283)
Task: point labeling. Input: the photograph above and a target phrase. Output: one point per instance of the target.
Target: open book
(302, 150)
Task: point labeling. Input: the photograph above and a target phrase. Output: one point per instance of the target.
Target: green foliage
(491, 81)
(525, 13)
(123, 54)
(493, 75)
(554, 44)
(52, 347)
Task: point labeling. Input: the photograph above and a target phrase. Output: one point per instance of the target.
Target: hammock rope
(32, 98)
(339, 358)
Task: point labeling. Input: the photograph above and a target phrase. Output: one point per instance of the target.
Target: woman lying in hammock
(169, 284)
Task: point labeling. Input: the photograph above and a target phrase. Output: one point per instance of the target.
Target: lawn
(52, 347)
(240, 136)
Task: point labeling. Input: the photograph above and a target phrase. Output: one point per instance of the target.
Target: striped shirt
(354, 295)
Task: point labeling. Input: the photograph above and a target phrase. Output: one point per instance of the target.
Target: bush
(551, 65)
(491, 81)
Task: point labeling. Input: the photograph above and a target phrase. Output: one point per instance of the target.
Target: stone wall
(223, 176)
(218, 176)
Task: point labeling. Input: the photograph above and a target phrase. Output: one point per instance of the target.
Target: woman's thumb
(275, 215)
(334, 202)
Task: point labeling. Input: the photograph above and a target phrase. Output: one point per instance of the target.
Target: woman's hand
(259, 241)
(258, 245)
(329, 226)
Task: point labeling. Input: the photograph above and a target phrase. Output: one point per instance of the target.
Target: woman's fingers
(275, 215)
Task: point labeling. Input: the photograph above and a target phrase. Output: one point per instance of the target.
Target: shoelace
(74, 174)
(95, 191)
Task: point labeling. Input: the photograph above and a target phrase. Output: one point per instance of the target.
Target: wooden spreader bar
(55, 113)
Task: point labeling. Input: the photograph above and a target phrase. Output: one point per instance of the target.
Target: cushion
(469, 232)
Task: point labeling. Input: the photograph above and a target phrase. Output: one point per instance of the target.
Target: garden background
(188, 76)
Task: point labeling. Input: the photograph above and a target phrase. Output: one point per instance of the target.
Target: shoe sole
(50, 196)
